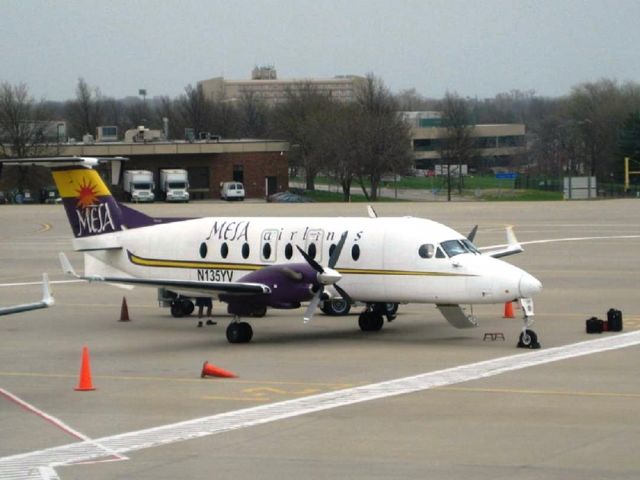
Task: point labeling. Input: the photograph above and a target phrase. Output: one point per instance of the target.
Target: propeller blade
(313, 305)
(310, 260)
(342, 293)
(338, 250)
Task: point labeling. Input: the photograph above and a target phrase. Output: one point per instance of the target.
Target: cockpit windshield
(457, 247)
(470, 246)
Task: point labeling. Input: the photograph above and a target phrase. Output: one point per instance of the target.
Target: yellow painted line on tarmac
(45, 227)
(178, 379)
(519, 391)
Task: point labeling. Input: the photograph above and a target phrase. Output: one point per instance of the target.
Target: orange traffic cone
(213, 371)
(124, 311)
(508, 310)
(85, 373)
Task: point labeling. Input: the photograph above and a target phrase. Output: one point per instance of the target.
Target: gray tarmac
(576, 418)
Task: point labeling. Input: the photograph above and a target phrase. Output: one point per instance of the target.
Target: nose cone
(529, 285)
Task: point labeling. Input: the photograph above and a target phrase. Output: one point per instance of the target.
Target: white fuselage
(380, 261)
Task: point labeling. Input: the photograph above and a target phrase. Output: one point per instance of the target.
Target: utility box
(580, 188)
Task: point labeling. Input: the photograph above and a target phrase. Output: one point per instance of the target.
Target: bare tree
(85, 112)
(300, 120)
(456, 147)
(384, 144)
(22, 127)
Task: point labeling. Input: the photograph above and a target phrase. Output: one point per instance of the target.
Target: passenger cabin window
(355, 252)
(426, 250)
(288, 251)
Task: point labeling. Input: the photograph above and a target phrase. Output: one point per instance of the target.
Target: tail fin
(90, 207)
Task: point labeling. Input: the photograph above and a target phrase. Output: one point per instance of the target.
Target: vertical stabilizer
(90, 207)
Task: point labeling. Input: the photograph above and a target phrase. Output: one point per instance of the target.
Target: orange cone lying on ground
(209, 370)
(508, 310)
(85, 383)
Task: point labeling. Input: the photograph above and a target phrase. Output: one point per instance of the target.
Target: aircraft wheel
(188, 307)
(239, 332)
(336, 307)
(392, 308)
(177, 310)
(370, 321)
(528, 339)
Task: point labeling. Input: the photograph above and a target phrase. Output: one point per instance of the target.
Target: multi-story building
(496, 145)
(265, 84)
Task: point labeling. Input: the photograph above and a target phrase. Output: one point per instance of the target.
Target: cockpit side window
(426, 250)
(440, 253)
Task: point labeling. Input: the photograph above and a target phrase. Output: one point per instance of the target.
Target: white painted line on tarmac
(17, 466)
(53, 282)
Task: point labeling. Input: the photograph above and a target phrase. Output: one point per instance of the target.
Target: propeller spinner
(325, 276)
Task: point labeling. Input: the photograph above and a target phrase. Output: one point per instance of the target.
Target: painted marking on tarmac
(17, 466)
(57, 422)
(45, 227)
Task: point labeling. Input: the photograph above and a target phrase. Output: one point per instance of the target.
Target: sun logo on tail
(87, 194)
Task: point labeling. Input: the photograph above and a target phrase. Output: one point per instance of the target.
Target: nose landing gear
(528, 338)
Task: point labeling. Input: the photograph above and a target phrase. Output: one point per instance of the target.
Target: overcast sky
(474, 48)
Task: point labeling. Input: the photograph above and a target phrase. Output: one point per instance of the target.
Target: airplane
(47, 300)
(256, 263)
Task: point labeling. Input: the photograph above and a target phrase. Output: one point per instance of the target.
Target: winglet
(47, 298)
(372, 213)
(511, 248)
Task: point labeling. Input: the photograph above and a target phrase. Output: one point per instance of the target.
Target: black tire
(392, 308)
(370, 321)
(528, 339)
(177, 309)
(239, 332)
(336, 307)
(188, 307)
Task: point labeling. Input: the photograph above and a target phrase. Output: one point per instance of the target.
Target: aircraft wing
(47, 300)
(189, 287)
(511, 248)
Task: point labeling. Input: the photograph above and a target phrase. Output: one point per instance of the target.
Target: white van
(231, 191)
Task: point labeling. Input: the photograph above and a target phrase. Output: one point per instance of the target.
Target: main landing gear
(528, 338)
(372, 319)
(181, 307)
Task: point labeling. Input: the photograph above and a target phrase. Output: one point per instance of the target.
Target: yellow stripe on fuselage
(149, 262)
(71, 182)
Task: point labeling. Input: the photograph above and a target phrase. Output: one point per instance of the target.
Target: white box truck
(174, 185)
(138, 185)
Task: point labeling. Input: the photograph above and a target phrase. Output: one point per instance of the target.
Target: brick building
(262, 165)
